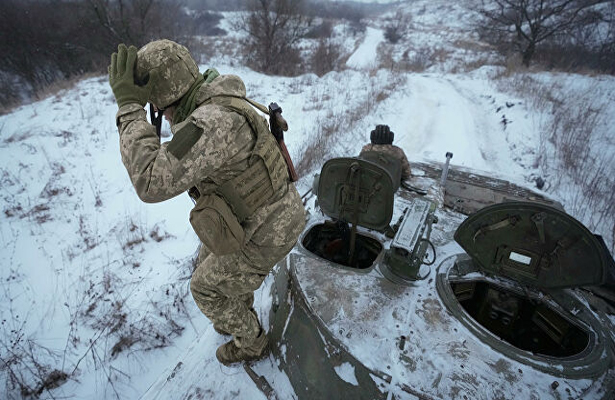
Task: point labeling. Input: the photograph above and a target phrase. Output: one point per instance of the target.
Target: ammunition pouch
(216, 225)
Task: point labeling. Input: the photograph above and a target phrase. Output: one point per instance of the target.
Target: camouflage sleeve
(405, 165)
(155, 172)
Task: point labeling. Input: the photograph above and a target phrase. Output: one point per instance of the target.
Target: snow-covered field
(94, 283)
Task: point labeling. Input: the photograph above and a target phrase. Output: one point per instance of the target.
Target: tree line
(46, 41)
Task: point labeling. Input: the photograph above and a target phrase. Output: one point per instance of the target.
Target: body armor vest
(266, 177)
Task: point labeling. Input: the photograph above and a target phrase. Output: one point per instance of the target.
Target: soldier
(247, 213)
(382, 141)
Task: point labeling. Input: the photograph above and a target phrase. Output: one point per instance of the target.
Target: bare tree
(397, 27)
(534, 21)
(326, 57)
(46, 42)
(274, 27)
(139, 21)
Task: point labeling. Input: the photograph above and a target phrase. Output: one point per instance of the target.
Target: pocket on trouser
(216, 225)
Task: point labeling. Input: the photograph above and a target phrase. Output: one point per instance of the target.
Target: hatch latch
(539, 220)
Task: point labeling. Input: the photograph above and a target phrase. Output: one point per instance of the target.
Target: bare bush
(572, 132)
(417, 60)
(218, 5)
(397, 27)
(322, 31)
(571, 150)
(107, 309)
(40, 45)
(206, 23)
(323, 144)
(274, 28)
(27, 368)
(588, 46)
(320, 144)
(357, 25)
(47, 42)
(140, 21)
(326, 57)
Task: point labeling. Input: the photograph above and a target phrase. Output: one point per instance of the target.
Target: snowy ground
(95, 283)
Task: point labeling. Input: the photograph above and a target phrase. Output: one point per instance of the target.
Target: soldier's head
(382, 135)
(176, 71)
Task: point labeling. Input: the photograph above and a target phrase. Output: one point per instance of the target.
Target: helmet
(175, 68)
(382, 135)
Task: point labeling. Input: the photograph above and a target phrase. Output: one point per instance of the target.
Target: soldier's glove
(121, 78)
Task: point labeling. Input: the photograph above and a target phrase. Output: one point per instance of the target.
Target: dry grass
(329, 125)
(53, 89)
(473, 46)
(572, 149)
(412, 59)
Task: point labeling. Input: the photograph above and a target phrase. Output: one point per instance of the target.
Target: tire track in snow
(438, 120)
(364, 56)
(435, 116)
(493, 144)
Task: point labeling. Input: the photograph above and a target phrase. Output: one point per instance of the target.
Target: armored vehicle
(459, 286)
(452, 285)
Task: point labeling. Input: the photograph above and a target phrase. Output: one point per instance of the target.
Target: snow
(456, 122)
(87, 267)
(346, 372)
(365, 55)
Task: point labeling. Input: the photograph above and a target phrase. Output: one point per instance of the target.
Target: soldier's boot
(229, 353)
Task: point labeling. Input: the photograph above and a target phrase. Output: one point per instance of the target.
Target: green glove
(121, 78)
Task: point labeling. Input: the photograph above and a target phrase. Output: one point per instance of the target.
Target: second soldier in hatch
(247, 213)
(381, 139)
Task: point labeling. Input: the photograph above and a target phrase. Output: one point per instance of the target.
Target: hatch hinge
(512, 221)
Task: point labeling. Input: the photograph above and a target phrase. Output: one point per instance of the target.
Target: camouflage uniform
(222, 286)
(394, 151)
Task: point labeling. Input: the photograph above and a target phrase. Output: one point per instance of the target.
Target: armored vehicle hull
(381, 324)
(483, 290)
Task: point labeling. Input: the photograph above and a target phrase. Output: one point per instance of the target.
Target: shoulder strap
(267, 176)
(260, 107)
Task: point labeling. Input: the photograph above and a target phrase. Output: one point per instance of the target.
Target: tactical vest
(266, 177)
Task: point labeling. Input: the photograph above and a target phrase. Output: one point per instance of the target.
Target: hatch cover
(534, 244)
(352, 188)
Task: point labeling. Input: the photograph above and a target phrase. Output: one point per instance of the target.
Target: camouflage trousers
(223, 288)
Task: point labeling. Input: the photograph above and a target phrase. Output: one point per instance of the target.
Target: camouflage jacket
(394, 151)
(221, 152)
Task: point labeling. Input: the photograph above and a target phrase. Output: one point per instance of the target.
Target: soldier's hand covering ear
(121, 78)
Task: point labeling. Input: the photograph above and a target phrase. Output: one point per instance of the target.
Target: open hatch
(519, 257)
(353, 192)
(534, 244)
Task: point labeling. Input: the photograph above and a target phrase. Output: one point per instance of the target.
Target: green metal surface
(386, 161)
(307, 351)
(352, 188)
(534, 244)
